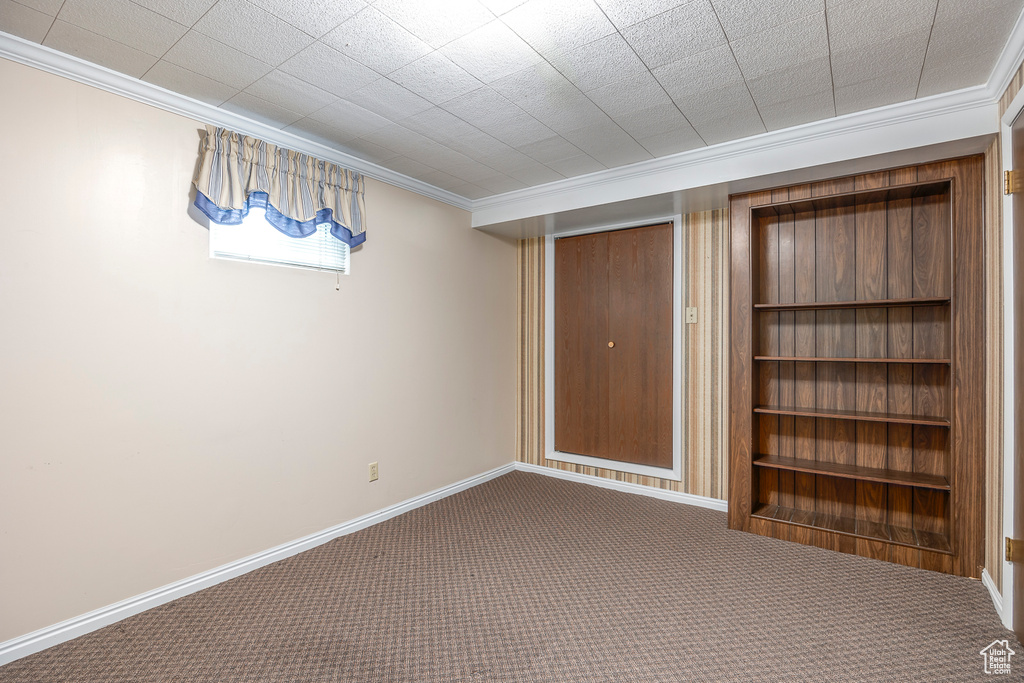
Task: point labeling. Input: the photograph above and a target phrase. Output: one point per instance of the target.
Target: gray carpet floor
(530, 578)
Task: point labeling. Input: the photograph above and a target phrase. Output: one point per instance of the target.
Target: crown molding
(918, 123)
(61, 64)
(1008, 62)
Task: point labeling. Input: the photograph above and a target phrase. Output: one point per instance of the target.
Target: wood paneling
(859, 338)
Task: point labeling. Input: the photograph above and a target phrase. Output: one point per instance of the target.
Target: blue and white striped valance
(299, 192)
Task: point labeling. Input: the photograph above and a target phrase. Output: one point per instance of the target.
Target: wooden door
(613, 345)
(1017, 301)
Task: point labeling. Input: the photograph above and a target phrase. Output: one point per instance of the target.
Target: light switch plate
(691, 315)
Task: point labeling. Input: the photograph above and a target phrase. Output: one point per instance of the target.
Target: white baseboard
(25, 645)
(625, 487)
(997, 598)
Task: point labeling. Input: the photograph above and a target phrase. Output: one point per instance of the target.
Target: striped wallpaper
(705, 277)
(994, 348)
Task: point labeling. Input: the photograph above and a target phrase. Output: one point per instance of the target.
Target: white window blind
(257, 240)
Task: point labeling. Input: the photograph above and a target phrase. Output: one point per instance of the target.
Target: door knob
(611, 344)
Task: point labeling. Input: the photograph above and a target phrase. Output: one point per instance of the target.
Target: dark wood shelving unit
(812, 359)
(857, 528)
(857, 365)
(832, 469)
(867, 303)
(859, 415)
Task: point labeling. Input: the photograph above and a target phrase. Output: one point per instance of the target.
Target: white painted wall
(162, 413)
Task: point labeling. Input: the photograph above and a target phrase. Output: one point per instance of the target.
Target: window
(257, 240)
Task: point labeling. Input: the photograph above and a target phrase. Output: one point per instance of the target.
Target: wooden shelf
(815, 359)
(883, 476)
(859, 415)
(858, 528)
(865, 303)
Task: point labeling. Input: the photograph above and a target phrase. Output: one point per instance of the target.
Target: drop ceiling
(482, 97)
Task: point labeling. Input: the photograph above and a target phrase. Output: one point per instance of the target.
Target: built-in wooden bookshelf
(857, 366)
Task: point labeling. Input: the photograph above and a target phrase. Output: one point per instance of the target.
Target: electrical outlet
(691, 315)
(373, 471)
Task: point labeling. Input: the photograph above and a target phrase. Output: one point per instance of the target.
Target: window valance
(298, 192)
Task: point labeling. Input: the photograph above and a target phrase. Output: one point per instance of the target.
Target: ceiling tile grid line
(506, 93)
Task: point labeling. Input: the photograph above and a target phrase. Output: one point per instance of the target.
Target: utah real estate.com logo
(997, 657)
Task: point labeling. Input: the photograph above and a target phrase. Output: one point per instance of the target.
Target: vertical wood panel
(640, 326)
(581, 355)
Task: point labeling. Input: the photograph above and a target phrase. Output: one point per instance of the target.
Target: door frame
(1009, 390)
(676, 472)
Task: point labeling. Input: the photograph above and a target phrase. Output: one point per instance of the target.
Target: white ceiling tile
(550, 149)
(388, 99)
(799, 80)
(509, 162)
(50, 7)
(804, 109)
(491, 52)
(535, 173)
(623, 97)
(802, 40)
(180, 80)
(692, 74)
(315, 17)
(716, 114)
(435, 25)
(679, 32)
(647, 123)
(480, 146)
(545, 94)
(440, 178)
(953, 59)
(470, 191)
(599, 63)
(729, 126)
(368, 150)
(288, 91)
(98, 49)
(625, 13)
(672, 142)
(500, 183)
(24, 22)
(903, 56)
(499, 7)
(575, 166)
(376, 41)
(607, 143)
(438, 125)
(876, 92)
(253, 30)
(409, 167)
(483, 108)
(351, 118)
(435, 78)
(328, 133)
(124, 22)
(260, 110)
(742, 17)
(185, 12)
(208, 57)
(521, 129)
(858, 24)
(555, 26)
(400, 139)
(467, 169)
(326, 68)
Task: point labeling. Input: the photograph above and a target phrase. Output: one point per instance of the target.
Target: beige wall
(705, 388)
(162, 413)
